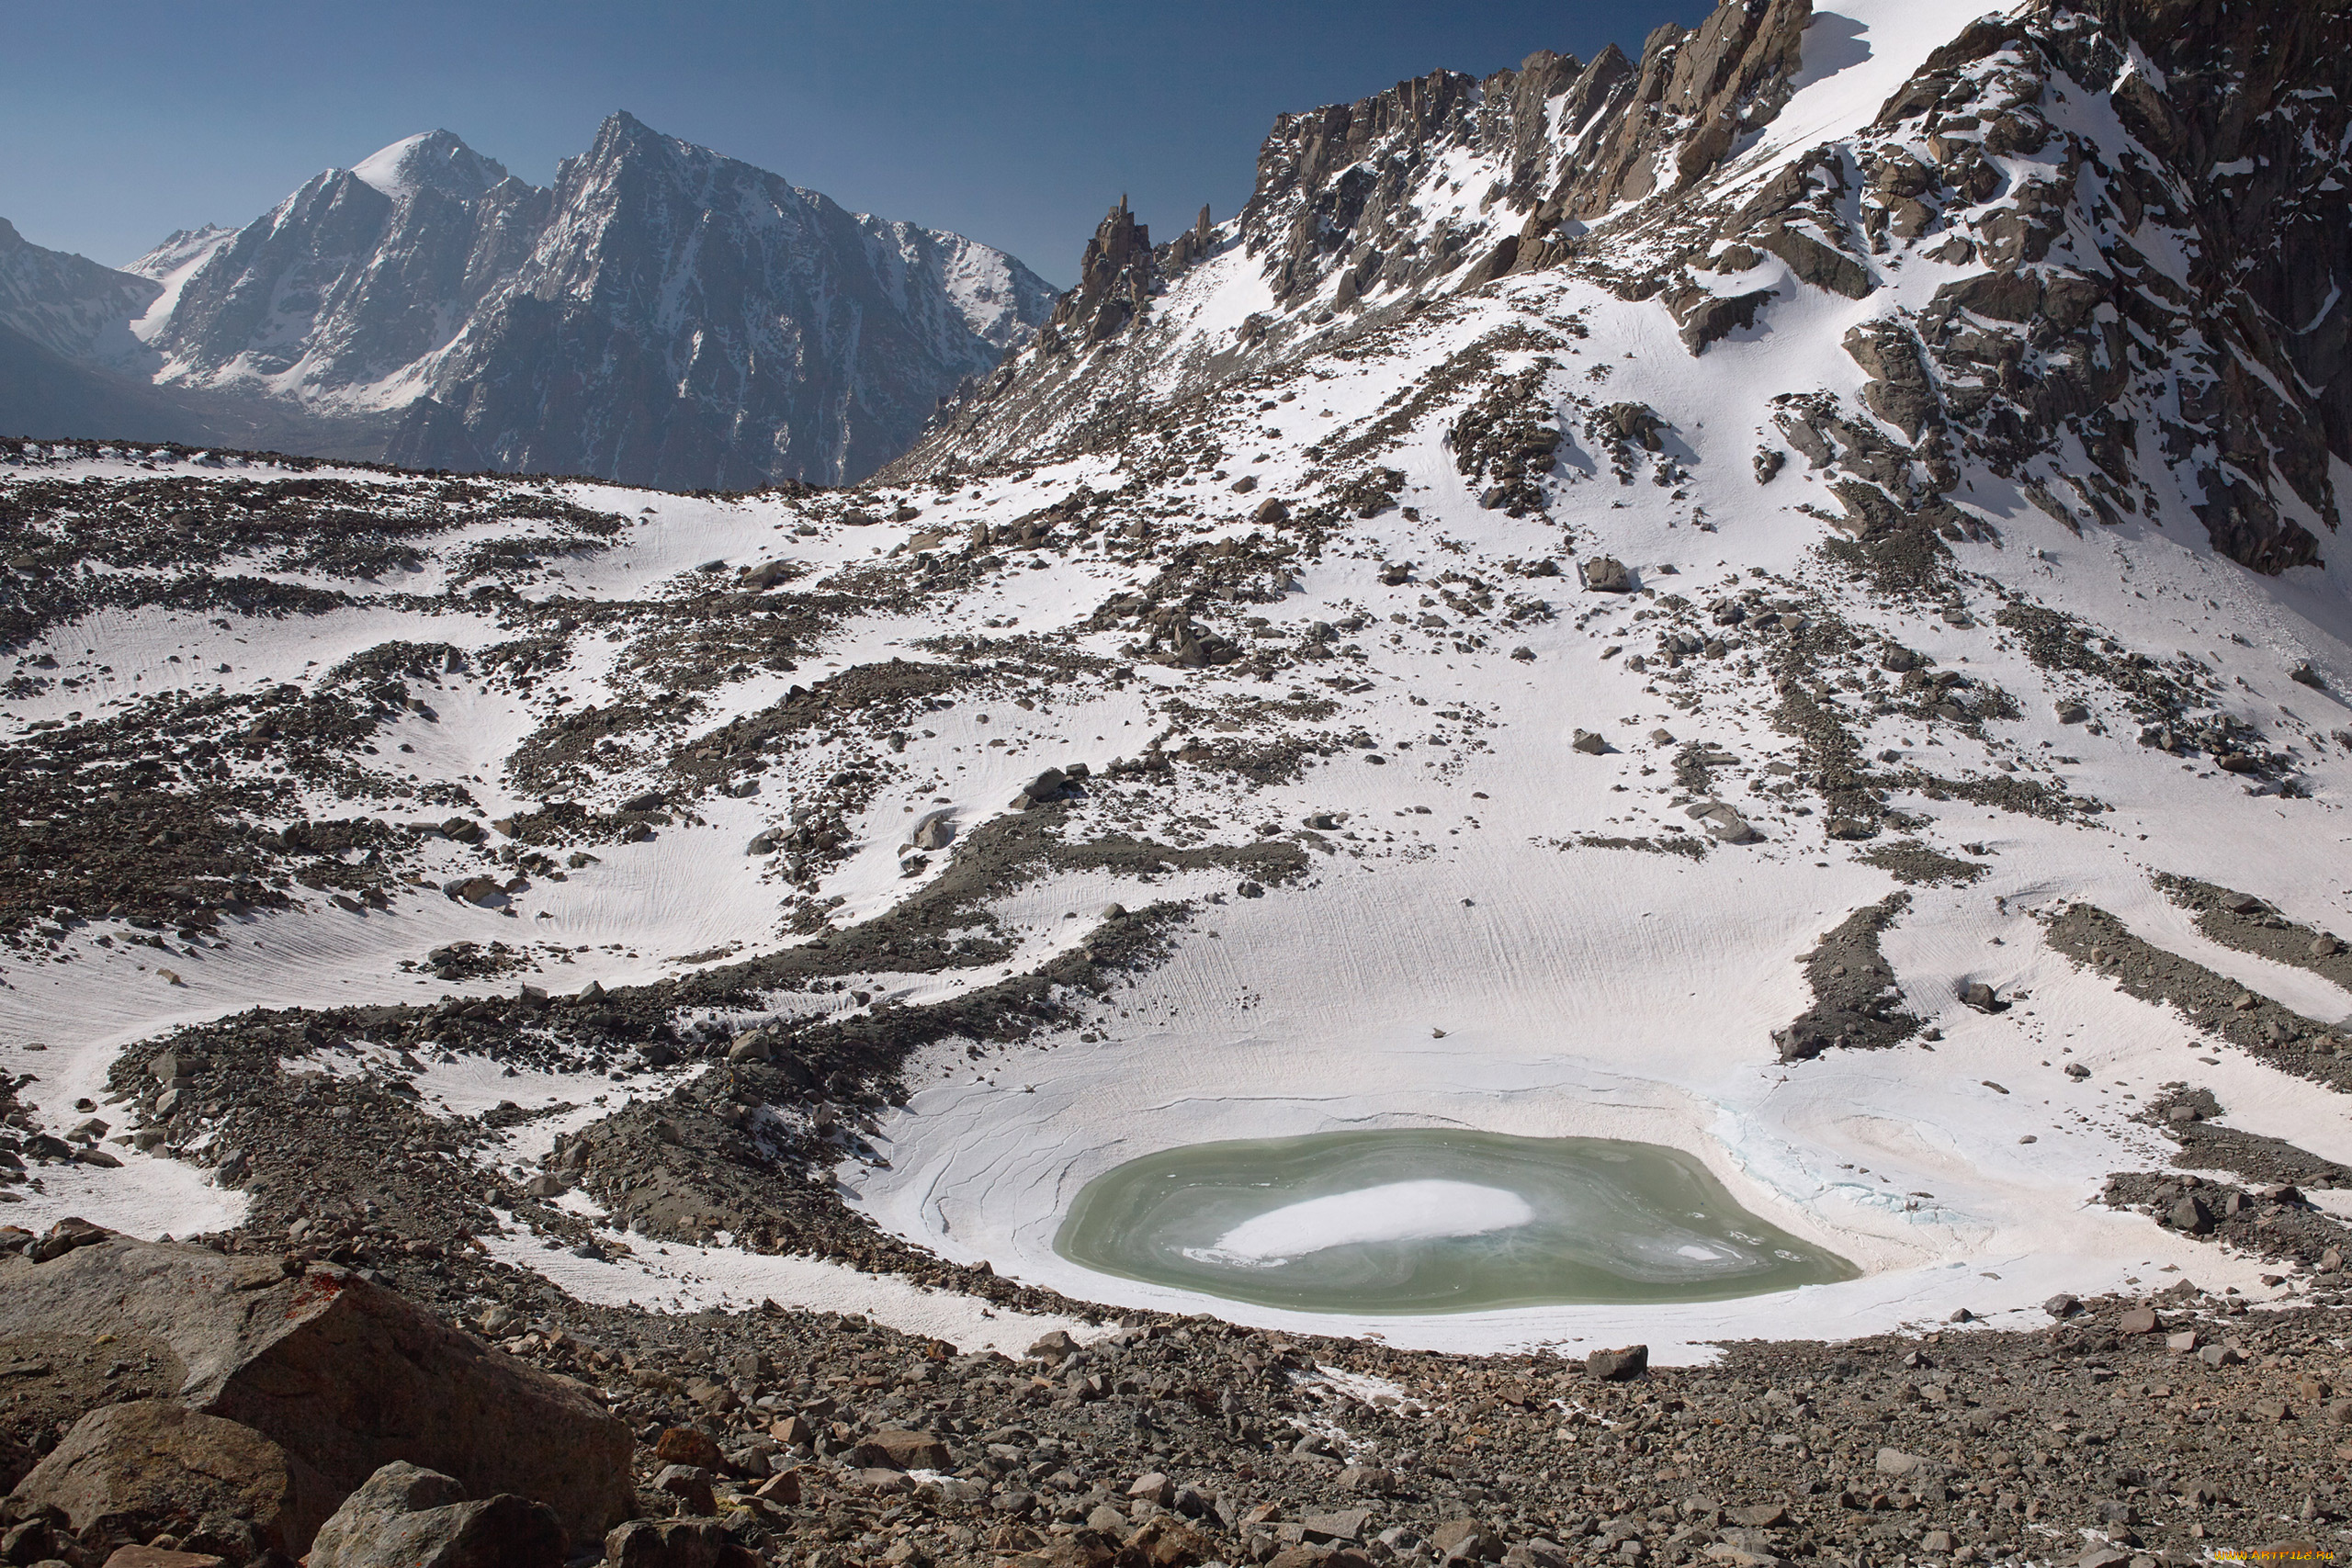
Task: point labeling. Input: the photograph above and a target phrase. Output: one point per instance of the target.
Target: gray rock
(690, 1484)
(1590, 744)
(1606, 574)
(1894, 1461)
(1724, 824)
(673, 1543)
(1347, 1524)
(406, 1516)
(1816, 262)
(1705, 318)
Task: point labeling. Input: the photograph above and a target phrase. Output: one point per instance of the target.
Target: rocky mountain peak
(436, 161)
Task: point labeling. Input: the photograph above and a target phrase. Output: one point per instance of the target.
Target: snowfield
(1497, 925)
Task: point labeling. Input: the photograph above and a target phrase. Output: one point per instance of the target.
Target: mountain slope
(44, 393)
(68, 304)
(2097, 252)
(1694, 683)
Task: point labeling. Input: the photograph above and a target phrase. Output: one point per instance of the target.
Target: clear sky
(1015, 121)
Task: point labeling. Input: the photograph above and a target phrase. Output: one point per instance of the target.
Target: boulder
(1705, 317)
(161, 1557)
(674, 1543)
(1618, 1366)
(902, 1450)
(1347, 1524)
(1466, 1540)
(1724, 823)
(1606, 574)
(1166, 1542)
(152, 1462)
(1816, 262)
(344, 1375)
(404, 1516)
(685, 1444)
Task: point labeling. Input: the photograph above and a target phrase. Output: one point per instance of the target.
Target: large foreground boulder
(344, 1375)
(406, 1516)
(151, 1464)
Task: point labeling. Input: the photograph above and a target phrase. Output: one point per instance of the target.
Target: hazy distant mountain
(662, 315)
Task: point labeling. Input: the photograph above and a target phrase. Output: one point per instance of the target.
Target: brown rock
(159, 1557)
(1617, 1365)
(1165, 1542)
(685, 1444)
(2139, 1320)
(152, 1461)
(344, 1375)
(1053, 1346)
(1466, 1538)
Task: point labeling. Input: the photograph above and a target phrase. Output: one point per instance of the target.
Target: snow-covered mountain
(69, 305)
(662, 315)
(2105, 258)
(1783, 599)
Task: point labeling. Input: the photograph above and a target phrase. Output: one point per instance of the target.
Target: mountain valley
(1780, 601)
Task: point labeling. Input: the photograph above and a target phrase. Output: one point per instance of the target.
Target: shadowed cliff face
(2098, 253)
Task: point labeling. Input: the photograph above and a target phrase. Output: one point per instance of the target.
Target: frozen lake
(1409, 1221)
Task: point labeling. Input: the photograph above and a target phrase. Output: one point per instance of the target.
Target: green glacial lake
(1433, 1221)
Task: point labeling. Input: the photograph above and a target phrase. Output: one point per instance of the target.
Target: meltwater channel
(1432, 1220)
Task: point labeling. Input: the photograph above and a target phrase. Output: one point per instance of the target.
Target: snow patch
(1396, 1211)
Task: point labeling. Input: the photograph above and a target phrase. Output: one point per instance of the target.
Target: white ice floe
(1395, 1211)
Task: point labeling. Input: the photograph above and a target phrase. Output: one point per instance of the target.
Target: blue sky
(1016, 122)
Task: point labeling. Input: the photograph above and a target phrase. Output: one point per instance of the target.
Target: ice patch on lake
(1396, 1211)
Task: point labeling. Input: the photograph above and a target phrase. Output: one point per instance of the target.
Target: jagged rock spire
(1114, 279)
